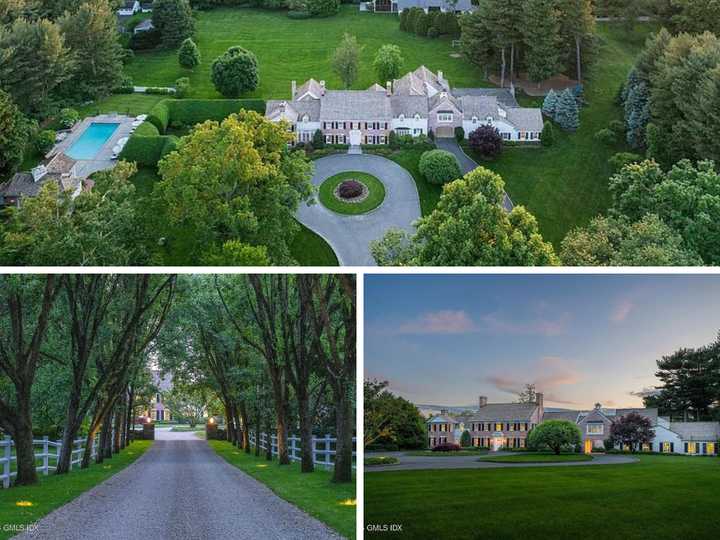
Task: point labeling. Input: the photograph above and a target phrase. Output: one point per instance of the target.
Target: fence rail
(7, 458)
(327, 451)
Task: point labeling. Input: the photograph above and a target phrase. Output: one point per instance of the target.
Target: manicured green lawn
(537, 458)
(55, 491)
(446, 454)
(129, 104)
(658, 498)
(297, 49)
(376, 193)
(429, 193)
(565, 185)
(333, 504)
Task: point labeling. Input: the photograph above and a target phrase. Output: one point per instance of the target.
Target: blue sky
(582, 339)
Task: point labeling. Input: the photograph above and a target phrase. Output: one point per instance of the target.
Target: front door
(588, 446)
(355, 137)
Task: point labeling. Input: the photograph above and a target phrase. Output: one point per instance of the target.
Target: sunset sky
(444, 340)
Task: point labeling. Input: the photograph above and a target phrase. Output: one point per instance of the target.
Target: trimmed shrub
(194, 111)
(547, 136)
(619, 160)
(431, 135)
(465, 440)
(432, 32)
(189, 54)
(146, 129)
(617, 126)
(159, 91)
(182, 87)
(235, 72)
(609, 444)
(323, 8)
(606, 136)
(148, 151)
(382, 460)
(318, 140)
(44, 140)
(393, 139)
(446, 447)
(350, 189)
(439, 167)
(422, 23)
(145, 40)
(486, 141)
(459, 133)
(159, 116)
(68, 118)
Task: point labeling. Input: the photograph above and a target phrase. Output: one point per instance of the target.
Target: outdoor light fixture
(211, 420)
(23, 503)
(348, 502)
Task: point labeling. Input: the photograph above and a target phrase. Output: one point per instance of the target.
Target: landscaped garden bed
(352, 193)
(381, 460)
(537, 458)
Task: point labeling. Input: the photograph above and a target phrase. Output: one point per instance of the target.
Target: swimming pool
(91, 141)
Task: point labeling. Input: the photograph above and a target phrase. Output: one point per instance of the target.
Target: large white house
(413, 105)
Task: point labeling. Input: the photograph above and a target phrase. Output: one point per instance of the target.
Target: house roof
(504, 412)
(24, 185)
(409, 106)
(128, 4)
(480, 106)
(571, 416)
(697, 431)
(145, 25)
(526, 119)
(416, 83)
(293, 110)
(61, 164)
(461, 5)
(503, 95)
(442, 419)
(311, 87)
(377, 88)
(354, 105)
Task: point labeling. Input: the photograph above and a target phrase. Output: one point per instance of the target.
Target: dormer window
(305, 118)
(489, 119)
(502, 113)
(401, 117)
(474, 119)
(417, 116)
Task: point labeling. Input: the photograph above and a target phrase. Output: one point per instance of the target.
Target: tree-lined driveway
(466, 164)
(350, 236)
(179, 489)
(413, 463)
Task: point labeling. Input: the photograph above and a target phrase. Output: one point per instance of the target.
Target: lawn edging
(525, 458)
(313, 493)
(54, 491)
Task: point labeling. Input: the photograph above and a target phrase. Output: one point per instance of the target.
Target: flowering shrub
(447, 447)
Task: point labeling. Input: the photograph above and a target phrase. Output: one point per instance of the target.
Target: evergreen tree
(550, 103)
(542, 38)
(189, 54)
(567, 114)
(13, 136)
(547, 137)
(173, 19)
(92, 36)
(577, 27)
(476, 41)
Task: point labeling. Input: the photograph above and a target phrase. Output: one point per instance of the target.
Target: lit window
(666, 447)
(445, 117)
(498, 427)
(645, 447)
(692, 448)
(710, 448)
(595, 429)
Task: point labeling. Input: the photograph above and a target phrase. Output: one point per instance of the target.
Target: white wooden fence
(7, 457)
(322, 447)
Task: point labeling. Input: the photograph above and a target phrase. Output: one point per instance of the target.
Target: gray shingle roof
(697, 431)
(526, 119)
(409, 106)
(480, 106)
(572, 416)
(339, 105)
(462, 5)
(503, 95)
(440, 419)
(504, 412)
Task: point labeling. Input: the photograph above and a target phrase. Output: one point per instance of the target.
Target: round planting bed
(352, 192)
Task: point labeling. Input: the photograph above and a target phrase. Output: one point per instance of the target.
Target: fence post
(7, 454)
(46, 449)
(327, 450)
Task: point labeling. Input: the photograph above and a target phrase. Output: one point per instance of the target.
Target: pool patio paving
(103, 159)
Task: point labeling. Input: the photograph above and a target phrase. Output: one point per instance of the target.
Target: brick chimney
(388, 88)
(293, 89)
(440, 75)
(598, 406)
(322, 87)
(482, 401)
(539, 399)
(443, 411)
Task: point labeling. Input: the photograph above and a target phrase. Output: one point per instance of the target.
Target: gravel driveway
(180, 489)
(350, 236)
(413, 463)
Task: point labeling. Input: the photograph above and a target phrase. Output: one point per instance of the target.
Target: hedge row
(193, 111)
(146, 151)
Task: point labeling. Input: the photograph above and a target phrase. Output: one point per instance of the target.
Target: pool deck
(103, 159)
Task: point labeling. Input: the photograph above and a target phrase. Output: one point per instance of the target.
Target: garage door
(445, 131)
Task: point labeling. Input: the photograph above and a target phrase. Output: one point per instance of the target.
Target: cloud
(549, 375)
(622, 310)
(439, 322)
(645, 392)
(495, 324)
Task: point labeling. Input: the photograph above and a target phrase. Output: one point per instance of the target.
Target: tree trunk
(130, 415)
(117, 425)
(89, 440)
(229, 428)
(268, 443)
(502, 69)
(512, 61)
(257, 436)
(344, 427)
(282, 434)
(24, 453)
(577, 59)
(306, 449)
(245, 428)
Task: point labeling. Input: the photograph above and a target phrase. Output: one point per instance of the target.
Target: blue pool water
(91, 141)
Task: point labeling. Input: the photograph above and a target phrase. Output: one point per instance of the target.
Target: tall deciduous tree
(345, 62)
(92, 36)
(25, 312)
(34, 61)
(235, 72)
(632, 430)
(388, 63)
(14, 134)
(557, 435)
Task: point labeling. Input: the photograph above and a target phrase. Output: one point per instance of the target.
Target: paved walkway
(466, 164)
(350, 236)
(180, 489)
(414, 463)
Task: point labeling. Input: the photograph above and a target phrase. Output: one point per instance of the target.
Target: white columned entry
(355, 137)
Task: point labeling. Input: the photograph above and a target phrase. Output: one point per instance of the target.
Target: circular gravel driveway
(350, 236)
(179, 489)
